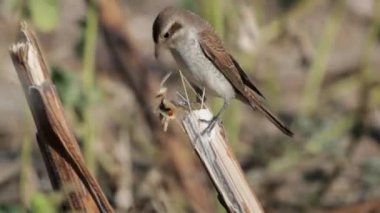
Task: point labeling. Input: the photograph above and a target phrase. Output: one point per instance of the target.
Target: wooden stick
(57, 143)
(220, 163)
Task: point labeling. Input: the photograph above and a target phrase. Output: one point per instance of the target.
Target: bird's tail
(257, 105)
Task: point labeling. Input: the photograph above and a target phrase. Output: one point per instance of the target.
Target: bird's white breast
(198, 68)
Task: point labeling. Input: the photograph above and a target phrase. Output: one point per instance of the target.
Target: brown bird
(201, 56)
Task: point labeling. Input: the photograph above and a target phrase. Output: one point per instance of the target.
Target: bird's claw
(210, 126)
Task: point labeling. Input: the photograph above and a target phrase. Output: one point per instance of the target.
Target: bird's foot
(210, 126)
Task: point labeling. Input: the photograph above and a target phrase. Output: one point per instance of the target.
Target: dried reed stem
(220, 163)
(57, 143)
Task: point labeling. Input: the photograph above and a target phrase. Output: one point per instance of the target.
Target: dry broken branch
(220, 163)
(57, 143)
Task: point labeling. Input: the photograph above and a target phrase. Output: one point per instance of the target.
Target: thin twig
(184, 87)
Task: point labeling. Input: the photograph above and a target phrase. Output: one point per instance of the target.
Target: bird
(205, 62)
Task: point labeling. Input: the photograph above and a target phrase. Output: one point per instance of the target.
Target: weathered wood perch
(220, 163)
(57, 143)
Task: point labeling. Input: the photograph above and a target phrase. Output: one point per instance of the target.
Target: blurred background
(316, 61)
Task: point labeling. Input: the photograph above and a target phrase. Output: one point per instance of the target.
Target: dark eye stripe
(156, 28)
(174, 28)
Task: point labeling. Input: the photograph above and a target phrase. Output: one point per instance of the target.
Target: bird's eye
(166, 35)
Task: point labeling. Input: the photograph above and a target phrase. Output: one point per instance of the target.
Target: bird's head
(170, 26)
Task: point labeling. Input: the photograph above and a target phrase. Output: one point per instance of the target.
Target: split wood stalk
(57, 143)
(220, 163)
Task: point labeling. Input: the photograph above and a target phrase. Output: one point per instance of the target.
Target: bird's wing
(213, 48)
(245, 78)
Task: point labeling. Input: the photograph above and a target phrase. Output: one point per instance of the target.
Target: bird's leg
(216, 118)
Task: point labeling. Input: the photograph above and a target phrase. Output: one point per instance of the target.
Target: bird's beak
(157, 49)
